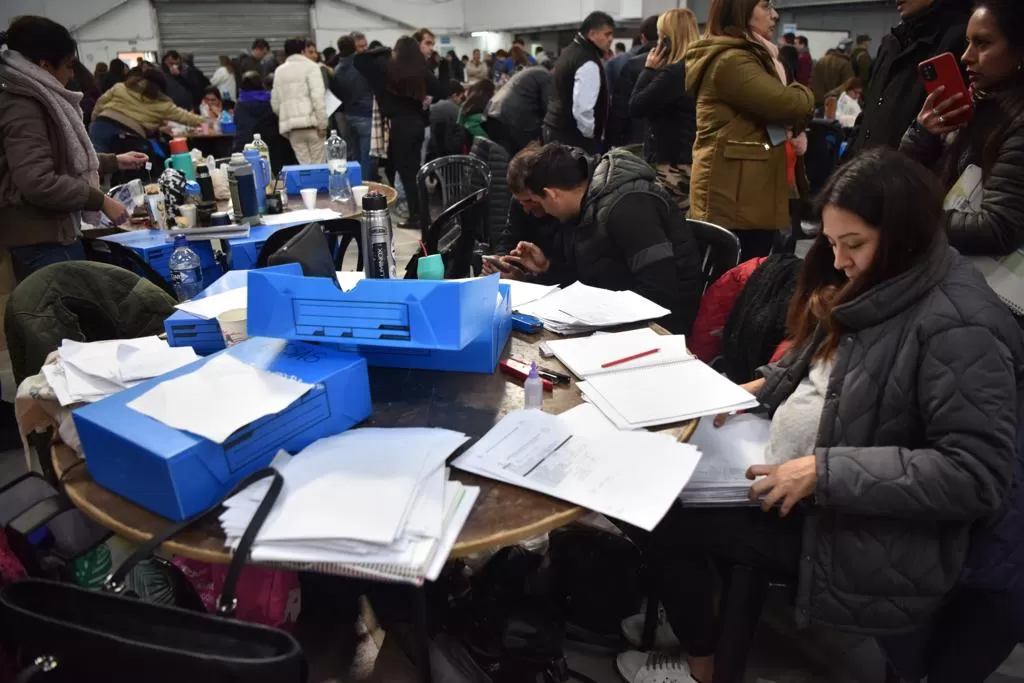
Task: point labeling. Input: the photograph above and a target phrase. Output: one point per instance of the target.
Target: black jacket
(625, 127)
(998, 228)
(373, 65)
(178, 91)
(660, 97)
(499, 195)
(895, 94)
(523, 101)
(351, 87)
(559, 120)
(253, 114)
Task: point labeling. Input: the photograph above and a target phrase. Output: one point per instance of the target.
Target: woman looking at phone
(993, 140)
(660, 97)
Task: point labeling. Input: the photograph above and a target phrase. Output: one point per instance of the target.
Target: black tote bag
(64, 633)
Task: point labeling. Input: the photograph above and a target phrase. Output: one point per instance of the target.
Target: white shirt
(585, 89)
(847, 111)
(224, 81)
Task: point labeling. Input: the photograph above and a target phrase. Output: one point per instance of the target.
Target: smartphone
(503, 266)
(666, 44)
(944, 70)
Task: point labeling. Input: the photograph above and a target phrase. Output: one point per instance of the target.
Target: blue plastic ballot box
(303, 176)
(155, 248)
(243, 252)
(203, 335)
(480, 355)
(396, 314)
(178, 474)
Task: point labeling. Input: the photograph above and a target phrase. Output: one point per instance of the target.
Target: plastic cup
(309, 197)
(358, 192)
(188, 212)
(430, 267)
(233, 325)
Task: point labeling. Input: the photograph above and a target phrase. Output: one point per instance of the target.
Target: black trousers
(689, 544)
(404, 150)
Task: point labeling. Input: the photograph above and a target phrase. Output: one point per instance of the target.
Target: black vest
(559, 119)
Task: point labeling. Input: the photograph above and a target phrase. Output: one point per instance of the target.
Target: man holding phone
(895, 93)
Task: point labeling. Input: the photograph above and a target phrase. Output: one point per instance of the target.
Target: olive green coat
(739, 179)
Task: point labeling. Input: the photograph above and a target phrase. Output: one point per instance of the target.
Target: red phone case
(946, 72)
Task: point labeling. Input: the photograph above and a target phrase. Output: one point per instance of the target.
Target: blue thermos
(243, 190)
(261, 173)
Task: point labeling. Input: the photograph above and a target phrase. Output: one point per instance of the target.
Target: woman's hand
(114, 210)
(789, 482)
(754, 388)
(935, 115)
(657, 57)
(530, 257)
(130, 161)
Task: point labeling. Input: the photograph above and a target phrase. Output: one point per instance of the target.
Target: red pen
(520, 370)
(613, 363)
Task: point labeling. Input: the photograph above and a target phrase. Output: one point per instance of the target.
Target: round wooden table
(324, 201)
(503, 514)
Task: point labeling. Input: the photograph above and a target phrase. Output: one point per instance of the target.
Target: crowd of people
(890, 491)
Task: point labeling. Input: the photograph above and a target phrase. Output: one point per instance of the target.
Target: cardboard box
(178, 474)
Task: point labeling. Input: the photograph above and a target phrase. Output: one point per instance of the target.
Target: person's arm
(921, 146)
(997, 229)
(316, 90)
(585, 90)
(169, 111)
(275, 99)
(23, 134)
(967, 401)
(636, 227)
(743, 83)
(108, 164)
(102, 103)
(654, 90)
(372, 64)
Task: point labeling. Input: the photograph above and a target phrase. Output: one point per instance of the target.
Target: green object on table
(430, 267)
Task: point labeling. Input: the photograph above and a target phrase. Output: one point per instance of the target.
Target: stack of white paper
(665, 394)
(579, 308)
(527, 292)
(209, 307)
(87, 372)
(727, 452)
(587, 356)
(369, 502)
(630, 476)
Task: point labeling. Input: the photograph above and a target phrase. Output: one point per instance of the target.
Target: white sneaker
(664, 637)
(638, 667)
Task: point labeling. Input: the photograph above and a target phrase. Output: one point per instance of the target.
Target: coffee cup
(309, 197)
(233, 326)
(358, 192)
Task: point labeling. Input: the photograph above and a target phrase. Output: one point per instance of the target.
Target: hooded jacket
(916, 443)
(739, 179)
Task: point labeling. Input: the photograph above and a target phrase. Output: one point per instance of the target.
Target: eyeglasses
(769, 5)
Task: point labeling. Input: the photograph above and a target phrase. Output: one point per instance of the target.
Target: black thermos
(205, 182)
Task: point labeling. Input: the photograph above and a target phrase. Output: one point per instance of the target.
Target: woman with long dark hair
(471, 115)
(115, 74)
(993, 141)
(893, 432)
(49, 171)
(404, 87)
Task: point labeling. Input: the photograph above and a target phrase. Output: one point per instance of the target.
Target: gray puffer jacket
(915, 444)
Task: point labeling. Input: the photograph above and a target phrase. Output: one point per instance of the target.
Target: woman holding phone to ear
(993, 140)
(660, 97)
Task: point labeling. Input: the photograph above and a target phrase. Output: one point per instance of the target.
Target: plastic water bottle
(534, 389)
(264, 150)
(337, 166)
(186, 271)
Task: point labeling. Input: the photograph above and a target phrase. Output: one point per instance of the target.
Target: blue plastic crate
(303, 176)
(155, 248)
(480, 355)
(178, 474)
(399, 314)
(185, 329)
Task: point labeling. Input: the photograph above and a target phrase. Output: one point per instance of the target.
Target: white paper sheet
(219, 398)
(730, 449)
(209, 307)
(580, 308)
(525, 292)
(331, 102)
(300, 216)
(348, 279)
(134, 364)
(585, 356)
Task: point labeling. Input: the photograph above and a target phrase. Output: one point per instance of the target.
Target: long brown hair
(730, 17)
(891, 193)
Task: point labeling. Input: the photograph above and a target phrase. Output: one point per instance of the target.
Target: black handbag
(62, 632)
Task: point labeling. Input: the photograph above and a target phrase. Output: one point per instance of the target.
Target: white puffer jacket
(298, 95)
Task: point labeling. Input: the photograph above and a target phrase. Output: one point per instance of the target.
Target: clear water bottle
(186, 271)
(337, 166)
(264, 150)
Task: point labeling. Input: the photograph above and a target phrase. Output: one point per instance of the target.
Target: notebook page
(585, 356)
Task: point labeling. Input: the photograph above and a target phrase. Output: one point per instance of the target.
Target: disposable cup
(188, 212)
(233, 325)
(358, 192)
(309, 197)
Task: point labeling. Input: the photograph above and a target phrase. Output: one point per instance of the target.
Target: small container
(430, 267)
(220, 218)
(534, 389)
(205, 182)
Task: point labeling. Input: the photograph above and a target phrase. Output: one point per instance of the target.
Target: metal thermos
(378, 238)
(242, 184)
(205, 182)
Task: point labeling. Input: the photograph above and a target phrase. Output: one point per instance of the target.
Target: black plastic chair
(457, 176)
(453, 234)
(112, 253)
(341, 233)
(719, 250)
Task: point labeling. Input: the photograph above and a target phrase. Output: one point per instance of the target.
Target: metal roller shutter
(211, 29)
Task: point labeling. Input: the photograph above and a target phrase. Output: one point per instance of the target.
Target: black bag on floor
(66, 633)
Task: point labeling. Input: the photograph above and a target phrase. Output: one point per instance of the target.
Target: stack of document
(727, 452)
(580, 458)
(372, 503)
(87, 372)
(579, 308)
(603, 353)
(524, 293)
(663, 394)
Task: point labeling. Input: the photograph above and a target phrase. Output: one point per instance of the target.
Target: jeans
(362, 127)
(27, 260)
